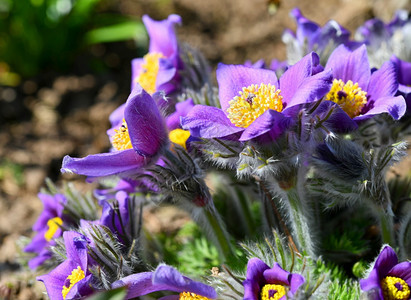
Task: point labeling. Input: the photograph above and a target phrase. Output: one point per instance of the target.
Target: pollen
(75, 276)
(252, 102)
(395, 288)
(148, 75)
(273, 292)
(121, 139)
(179, 136)
(349, 96)
(191, 296)
(52, 224)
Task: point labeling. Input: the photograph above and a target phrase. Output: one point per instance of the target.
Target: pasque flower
(404, 79)
(165, 278)
(48, 227)
(138, 142)
(388, 279)
(72, 278)
(360, 92)
(254, 102)
(158, 69)
(263, 282)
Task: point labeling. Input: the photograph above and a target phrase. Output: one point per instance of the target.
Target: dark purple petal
(138, 284)
(104, 164)
(166, 73)
(76, 248)
(53, 207)
(162, 34)
(296, 280)
(403, 69)
(270, 121)
(386, 260)
(372, 283)
(311, 89)
(338, 121)
(168, 276)
(305, 28)
(233, 78)
(403, 271)
(383, 82)
(182, 109)
(395, 106)
(276, 275)
(254, 279)
(145, 124)
(350, 65)
(81, 289)
(38, 242)
(208, 122)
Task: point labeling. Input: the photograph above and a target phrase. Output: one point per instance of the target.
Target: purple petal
(39, 259)
(372, 283)
(136, 68)
(403, 271)
(162, 34)
(138, 284)
(166, 275)
(182, 109)
(270, 121)
(80, 289)
(76, 248)
(254, 279)
(386, 260)
(232, 78)
(117, 116)
(276, 275)
(208, 122)
(296, 280)
(104, 164)
(305, 28)
(350, 65)
(338, 121)
(383, 82)
(145, 124)
(403, 69)
(395, 106)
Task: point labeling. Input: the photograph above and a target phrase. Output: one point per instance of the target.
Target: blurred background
(65, 66)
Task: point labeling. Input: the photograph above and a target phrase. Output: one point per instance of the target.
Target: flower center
(121, 140)
(53, 225)
(75, 276)
(395, 288)
(273, 292)
(191, 296)
(179, 136)
(349, 96)
(148, 75)
(253, 101)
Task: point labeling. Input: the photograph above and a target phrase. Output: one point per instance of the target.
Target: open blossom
(138, 142)
(254, 102)
(388, 279)
(263, 282)
(165, 278)
(158, 69)
(72, 278)
(360, 92)
(48, 227)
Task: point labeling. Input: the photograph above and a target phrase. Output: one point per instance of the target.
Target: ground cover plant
(281, 168)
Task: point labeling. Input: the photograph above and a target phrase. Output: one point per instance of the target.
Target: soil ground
(54, 114)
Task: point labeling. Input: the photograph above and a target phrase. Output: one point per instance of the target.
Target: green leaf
(116, 294)
(119, 32)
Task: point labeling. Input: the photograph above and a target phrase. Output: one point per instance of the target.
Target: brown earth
(53, 114)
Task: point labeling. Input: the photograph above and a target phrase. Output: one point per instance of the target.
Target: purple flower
(309, 36)
(48, 227)
(164, 278)
(254, 102)
(138, 142)
(158, 69)
(404, 79)
(72, 278)
(359, 92)
(263, 283)
(388, 279)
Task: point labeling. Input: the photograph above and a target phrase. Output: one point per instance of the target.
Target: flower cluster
(290, 160)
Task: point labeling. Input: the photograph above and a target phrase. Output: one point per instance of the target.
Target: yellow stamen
(121, 140)
(53, 225)
(349, 96)
(273, 291)
(75, 276)
(253, 101)
(148, 75)
(179, 137)
(191, 296)
(395, 288)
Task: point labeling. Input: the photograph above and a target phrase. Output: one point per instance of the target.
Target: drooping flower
(48, 227)
(263, 282)
(165, 278)
(310, 36)
(138, 142)
(360, 92)
(388, 279)
(254, 102)
(158, 69)
(72, 278)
